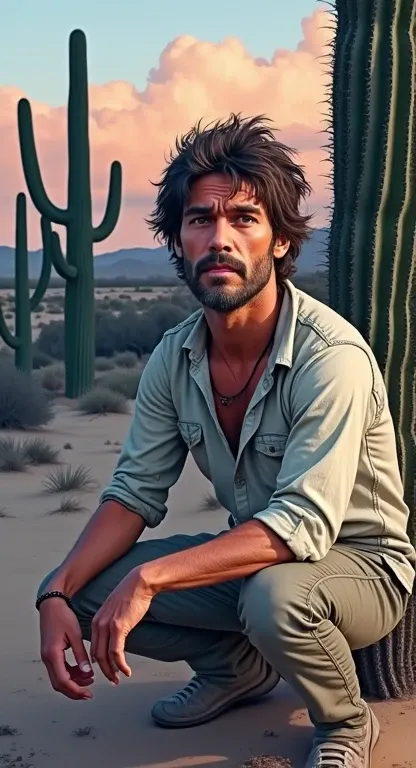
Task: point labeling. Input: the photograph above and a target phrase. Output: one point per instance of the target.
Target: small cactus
(21, 341)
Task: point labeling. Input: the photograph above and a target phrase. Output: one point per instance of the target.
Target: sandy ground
(114, 730)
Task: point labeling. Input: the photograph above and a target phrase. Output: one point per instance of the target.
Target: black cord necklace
(229, 399)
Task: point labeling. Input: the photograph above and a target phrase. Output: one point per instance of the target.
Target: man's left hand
(119, 614)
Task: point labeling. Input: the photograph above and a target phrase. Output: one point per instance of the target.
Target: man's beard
(220, 296)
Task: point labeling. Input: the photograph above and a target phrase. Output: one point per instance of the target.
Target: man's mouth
(217, 268)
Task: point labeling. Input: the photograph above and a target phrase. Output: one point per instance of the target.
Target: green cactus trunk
(79, 293)
(372, 248)
(78, 267)
(21, 341)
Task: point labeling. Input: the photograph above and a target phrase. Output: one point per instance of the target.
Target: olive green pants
(303, 618)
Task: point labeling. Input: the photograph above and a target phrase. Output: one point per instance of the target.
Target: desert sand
(41, 729)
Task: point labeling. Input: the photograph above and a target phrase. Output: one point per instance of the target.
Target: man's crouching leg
(199, 626)
(305, 618)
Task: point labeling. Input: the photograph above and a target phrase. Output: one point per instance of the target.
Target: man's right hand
(59, 631)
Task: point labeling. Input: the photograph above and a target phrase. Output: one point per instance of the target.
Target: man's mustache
(219, 260)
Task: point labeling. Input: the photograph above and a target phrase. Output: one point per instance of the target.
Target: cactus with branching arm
(77, 269)
(21, 340)
(372, 246)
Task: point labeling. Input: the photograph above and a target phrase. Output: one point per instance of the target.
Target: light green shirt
(317, 459)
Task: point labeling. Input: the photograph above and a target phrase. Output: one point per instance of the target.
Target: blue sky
(126, 37)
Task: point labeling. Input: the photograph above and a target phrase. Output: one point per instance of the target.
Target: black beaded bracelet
(55, 593)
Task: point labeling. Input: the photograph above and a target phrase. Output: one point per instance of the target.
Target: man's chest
(231, 415)
(247, 436)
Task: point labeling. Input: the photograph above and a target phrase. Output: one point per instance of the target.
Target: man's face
(226, 244)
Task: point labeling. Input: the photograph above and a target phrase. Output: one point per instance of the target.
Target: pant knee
(271, 612)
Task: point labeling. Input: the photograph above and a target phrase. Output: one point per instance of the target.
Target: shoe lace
(189, 690)
(334, 756)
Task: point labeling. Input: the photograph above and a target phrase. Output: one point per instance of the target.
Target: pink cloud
(192, 80)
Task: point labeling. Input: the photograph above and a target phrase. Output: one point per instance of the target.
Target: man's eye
(199, 220)
(246, 219)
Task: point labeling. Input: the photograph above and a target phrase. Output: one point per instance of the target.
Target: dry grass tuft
(68, 506)
(68, 478)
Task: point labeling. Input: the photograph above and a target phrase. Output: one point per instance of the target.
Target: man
(283, 407)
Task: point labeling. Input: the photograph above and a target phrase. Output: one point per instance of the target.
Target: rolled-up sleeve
(332, 406)
(154, 453)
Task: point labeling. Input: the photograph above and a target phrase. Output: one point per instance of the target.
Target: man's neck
(243, 334)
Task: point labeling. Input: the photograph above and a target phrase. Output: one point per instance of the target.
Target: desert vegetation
(131, 320)
(127, 329)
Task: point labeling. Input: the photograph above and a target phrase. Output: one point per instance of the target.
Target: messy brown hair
(247, 150)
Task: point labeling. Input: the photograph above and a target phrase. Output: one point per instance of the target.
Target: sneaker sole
(244, 698)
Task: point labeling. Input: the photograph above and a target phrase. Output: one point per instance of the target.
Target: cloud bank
(192, 80)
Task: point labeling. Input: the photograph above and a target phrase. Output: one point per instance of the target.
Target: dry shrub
(23, 402)
(102, 400)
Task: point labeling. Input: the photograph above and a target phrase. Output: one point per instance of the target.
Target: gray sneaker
(355, 754)
(201, 701)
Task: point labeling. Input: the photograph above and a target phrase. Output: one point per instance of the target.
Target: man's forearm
(110, 533)
(244, 550)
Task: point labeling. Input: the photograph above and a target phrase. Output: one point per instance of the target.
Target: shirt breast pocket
(191, 433)
(269, 450)
(193, 436)
(271, 444)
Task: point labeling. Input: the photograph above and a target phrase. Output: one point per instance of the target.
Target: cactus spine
(25, 304)
(372, 246)
(78, 267)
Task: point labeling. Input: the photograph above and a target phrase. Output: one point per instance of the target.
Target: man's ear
(281, 247)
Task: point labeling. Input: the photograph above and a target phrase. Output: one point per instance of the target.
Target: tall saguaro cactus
(372, 248)
(25, 304)
(78, 267)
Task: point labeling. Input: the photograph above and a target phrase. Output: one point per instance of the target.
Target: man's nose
(221, 239)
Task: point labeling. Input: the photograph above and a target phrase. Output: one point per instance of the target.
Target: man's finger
(116, 651)
(80, 653)
(60, 677)
(78, 676)
(100, 651)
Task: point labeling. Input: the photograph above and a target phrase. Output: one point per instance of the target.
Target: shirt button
(239, 481)
(272, 449)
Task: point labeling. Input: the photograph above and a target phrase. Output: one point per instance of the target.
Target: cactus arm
(64, 270)
(5, 334)
(112, 211)
(45, 273)
(31, 167)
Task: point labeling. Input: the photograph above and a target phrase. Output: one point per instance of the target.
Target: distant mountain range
(147, 263)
